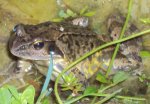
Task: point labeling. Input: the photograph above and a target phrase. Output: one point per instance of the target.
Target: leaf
(14, 92)
(120, 76)
(66, 78)
(145, 20)
(109, 97)
(90, 90)
(45, 101)
(101, 78)
(14, 101)
(144, 53)
(71, 13)
(70, 78)
(141, 79)
(63, 14)
(57, 19)
(28, 95)
(89, 14)
(83, 10)
(66, 88)
(5, 96)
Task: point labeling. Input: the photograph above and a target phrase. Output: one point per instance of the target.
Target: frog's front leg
(7, 72)
(72, 80)
(23, 67)
(16, 70)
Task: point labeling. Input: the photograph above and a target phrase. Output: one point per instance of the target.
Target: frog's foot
(121, 62)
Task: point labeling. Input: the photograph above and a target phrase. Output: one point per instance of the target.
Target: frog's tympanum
(71, 40)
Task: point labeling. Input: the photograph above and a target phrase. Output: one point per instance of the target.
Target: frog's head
(31, 42)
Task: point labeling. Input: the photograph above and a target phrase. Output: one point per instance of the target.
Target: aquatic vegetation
(71, 83)
(10, 95)
(145, 54)
(145, 20)
(63, 14)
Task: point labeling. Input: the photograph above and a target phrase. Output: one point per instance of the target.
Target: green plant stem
(94, 99)
(90, 53)
(109, 97)
(102, 90)
(103, 95)
(42, 95)
(107, 87)
(121, 36)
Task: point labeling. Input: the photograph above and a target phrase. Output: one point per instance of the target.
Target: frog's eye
(38, 45)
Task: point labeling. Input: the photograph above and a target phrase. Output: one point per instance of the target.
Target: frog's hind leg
(121, 62)
(131, 48)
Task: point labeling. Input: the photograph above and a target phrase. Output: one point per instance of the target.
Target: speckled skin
(68, 42)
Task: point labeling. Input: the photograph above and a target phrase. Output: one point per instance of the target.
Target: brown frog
(69, 41)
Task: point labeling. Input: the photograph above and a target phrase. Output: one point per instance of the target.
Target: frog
(69, 41)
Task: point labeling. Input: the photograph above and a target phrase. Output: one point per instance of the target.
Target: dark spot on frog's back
(43, 32)
(97, 43)
(135, 57)
(133, 28)
(91, 45)
(34, 28)
(30, 28)
(77, 43)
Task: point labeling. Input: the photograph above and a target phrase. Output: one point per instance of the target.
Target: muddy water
(35, 11)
